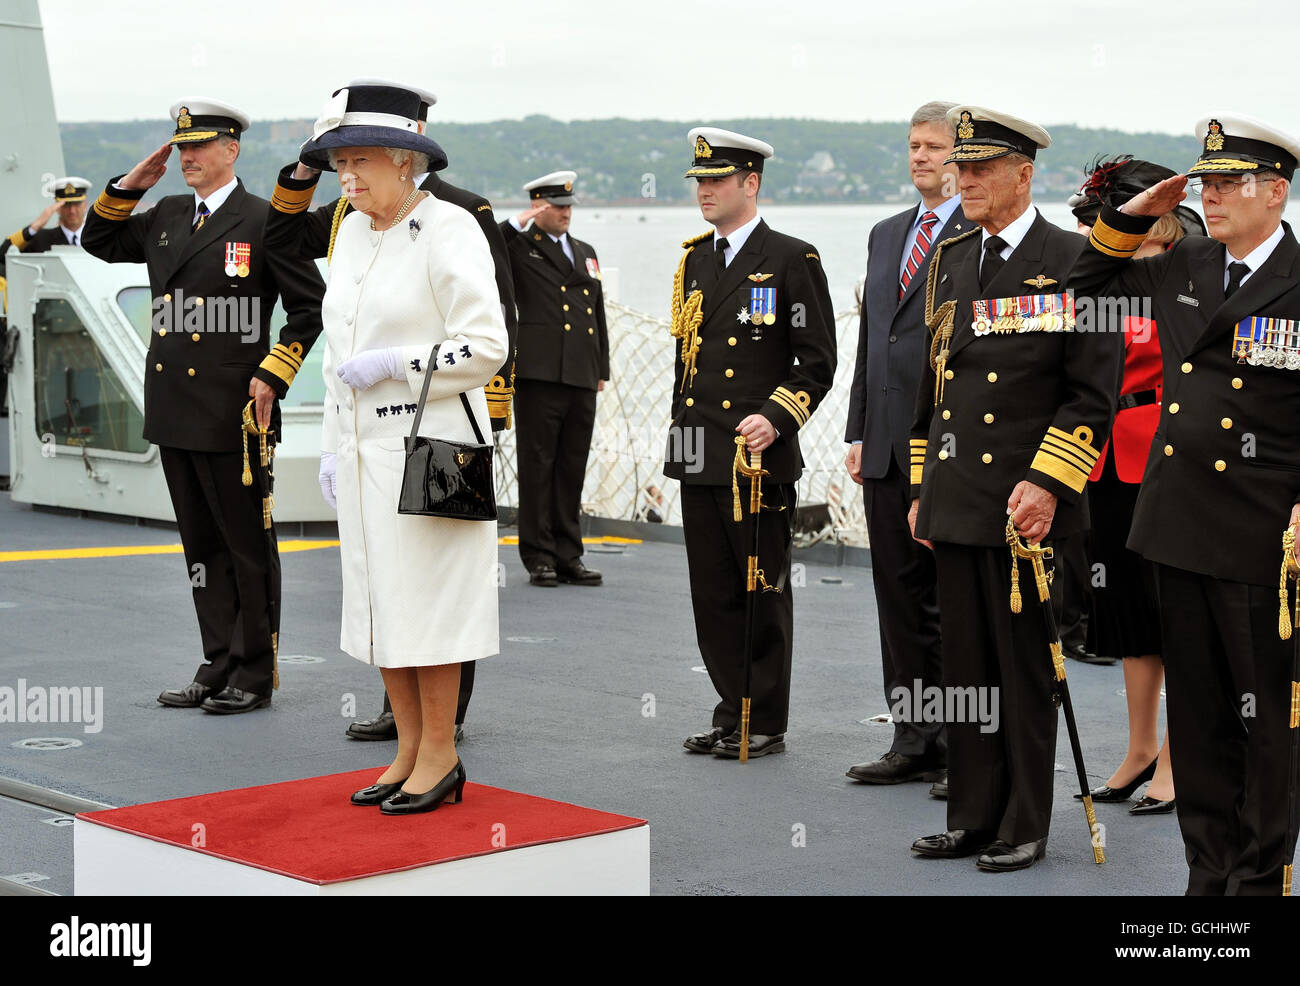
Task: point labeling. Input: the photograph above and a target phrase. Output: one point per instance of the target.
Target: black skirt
(1125, 618)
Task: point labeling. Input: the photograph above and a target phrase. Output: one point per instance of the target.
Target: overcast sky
(1104, 63)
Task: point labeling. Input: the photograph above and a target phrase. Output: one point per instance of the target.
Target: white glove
(328, 478)
(368, 368)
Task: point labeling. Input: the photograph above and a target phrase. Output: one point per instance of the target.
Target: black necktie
(1236, 271)
(720, 255)
(201, 218)
(992, 260)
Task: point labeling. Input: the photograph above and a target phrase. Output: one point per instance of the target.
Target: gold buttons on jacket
(1220, 465)
(1173, 408)
(1237, 383)
(988, 418)
(195, 337)
(731, 341)
(1169, 450)
(566, 308)
(585, 291)
(591, 332)
(986, 458)
(1227, 423)
(563, 288)
(993, 377)
(167, 297)
(567, 327)
(198, 302)
(726, 405)
(690, 402)
(1186, 367)
(948, 374)
(946, 414)
(588, 311)
(191, 371)
(158, 367)
(730, 372)
(943, 453)
(162, 332)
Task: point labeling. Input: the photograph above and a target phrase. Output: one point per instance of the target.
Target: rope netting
(625, 479)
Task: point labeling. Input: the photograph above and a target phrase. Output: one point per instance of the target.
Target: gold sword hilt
(744, 730)
(1037, 555)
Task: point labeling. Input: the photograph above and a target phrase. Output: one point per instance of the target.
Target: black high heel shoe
(376, 793)
(1105, 793)
(447, 791)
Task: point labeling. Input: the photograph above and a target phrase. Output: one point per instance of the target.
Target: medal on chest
(238, 256)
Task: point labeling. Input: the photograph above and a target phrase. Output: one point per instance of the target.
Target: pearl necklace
(400, 212)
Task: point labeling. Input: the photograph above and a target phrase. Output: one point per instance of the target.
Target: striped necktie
(201, 218)
(920, 247)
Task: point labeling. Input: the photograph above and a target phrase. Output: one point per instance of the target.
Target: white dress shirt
(1255, 259)
(215, 200)
(1013, 234)
(736, 239)
(73, 236)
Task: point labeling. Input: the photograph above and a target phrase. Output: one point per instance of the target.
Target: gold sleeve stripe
(1080, 445)
(798, 404)
(283, 363)
(498, 398)
(1058, 469)
(19, 239)
(291, 201)
(917, 470)
(1068, 451)
(918, 447)
(114, 207)
(1112, 242)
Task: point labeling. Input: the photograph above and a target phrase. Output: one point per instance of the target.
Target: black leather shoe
(543, 575)
(576, 573)
(1081, 653)
(894, 768)
(1002, 858)
(376, 793)
(381, 727)
(1110, 794)
(705, 742)
(447, 791)
(759, 746)
(939, 789)
(189, 697)
(232, 701)
(953, 844)
(1153, 806)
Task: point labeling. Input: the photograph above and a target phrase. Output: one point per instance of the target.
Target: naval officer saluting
(1012, 408)
(70, 205)
(1221, 484)
(204, 251)
(563, 361)
(755, 359)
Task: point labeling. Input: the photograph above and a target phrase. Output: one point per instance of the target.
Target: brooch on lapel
(414, 227)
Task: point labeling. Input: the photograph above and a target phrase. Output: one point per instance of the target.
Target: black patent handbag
(443, 478)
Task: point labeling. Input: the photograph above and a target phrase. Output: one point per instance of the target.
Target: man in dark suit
(296, 229)
(563, 363)
(214, 287)
(1012, 408)
(756, 357)
(1222, 482)
(892, 340)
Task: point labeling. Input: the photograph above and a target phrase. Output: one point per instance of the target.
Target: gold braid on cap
(940, 323)
(340, 211)
(687, 314)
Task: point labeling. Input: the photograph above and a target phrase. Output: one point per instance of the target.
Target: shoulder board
(485, 207)
(811, 256)
(696, 239)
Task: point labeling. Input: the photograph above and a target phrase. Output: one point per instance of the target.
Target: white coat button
(347, 319)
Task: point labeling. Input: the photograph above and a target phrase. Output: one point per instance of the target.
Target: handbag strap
(424, 395)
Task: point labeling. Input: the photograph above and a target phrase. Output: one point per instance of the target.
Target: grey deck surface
(558, 713)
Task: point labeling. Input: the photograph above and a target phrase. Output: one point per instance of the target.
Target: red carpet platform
(304, 837)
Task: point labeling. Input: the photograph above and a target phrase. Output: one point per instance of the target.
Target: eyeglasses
(1223, 187)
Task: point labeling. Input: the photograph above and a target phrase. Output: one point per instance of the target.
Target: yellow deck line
(62, 554)
(59, 554)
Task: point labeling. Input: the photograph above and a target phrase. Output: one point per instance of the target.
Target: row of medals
(1047, 322)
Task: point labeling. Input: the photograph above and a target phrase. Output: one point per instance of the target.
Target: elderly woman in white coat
(408, 273)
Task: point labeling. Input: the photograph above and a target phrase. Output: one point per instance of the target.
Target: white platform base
(108, 862)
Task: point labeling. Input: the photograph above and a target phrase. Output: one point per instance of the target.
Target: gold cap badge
(1214, 136)
(965, 130)
(183, 119)
(702, 148)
